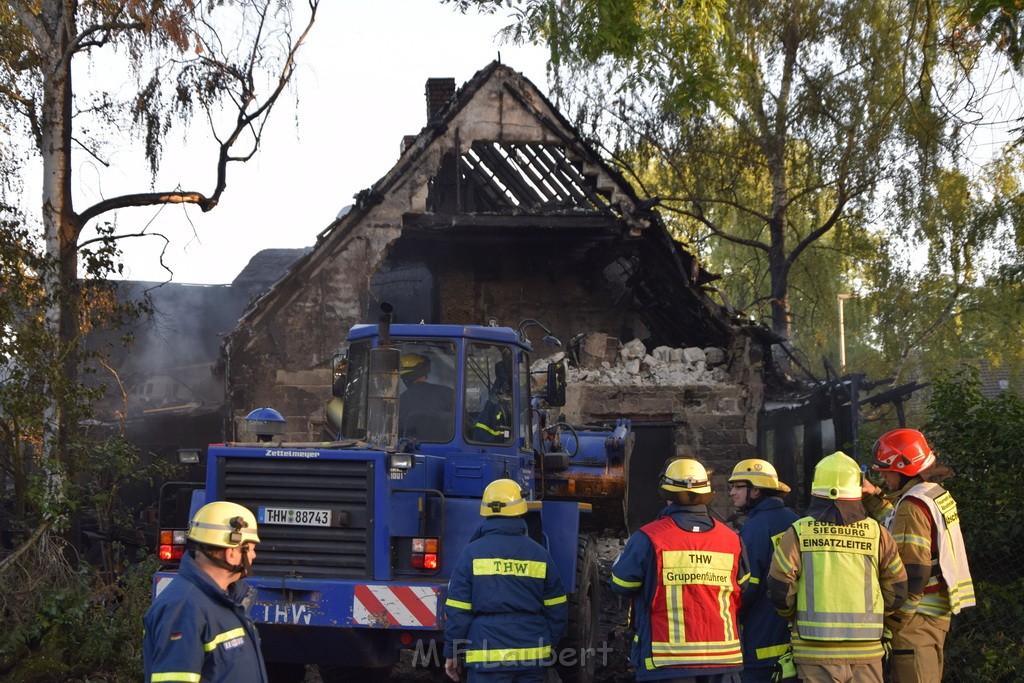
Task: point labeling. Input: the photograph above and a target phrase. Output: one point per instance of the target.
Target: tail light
(416, 555)
(172, 545)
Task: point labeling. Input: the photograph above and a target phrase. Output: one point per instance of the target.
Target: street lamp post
(842, 329)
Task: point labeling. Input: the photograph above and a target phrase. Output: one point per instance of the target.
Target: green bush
(73, 626)
(981, 438)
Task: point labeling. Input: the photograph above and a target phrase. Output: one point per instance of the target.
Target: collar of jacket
(510, 526)
(190, 570)
(841, 512)
(893, 496)
(765, 503)
(673, 508)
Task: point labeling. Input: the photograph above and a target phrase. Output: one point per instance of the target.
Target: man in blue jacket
(506, 606)
(198, 629)
(685, 573)
(756, 491)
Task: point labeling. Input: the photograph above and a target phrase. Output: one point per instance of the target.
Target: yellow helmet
(685, 475)
(223, 525)
(837, 477)
(414, 363)
(503, 498)
(760, 473)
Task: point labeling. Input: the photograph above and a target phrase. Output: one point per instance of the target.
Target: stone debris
(634, 366)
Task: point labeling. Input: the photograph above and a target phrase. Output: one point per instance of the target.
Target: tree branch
(146, 199)
(812, 236)
(33, 24)
(245, 121)
(710, 225)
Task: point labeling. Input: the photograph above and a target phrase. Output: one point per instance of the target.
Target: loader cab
(461, 387)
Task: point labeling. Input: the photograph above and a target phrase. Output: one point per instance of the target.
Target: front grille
(343, 486)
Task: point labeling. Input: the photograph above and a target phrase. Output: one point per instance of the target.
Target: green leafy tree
(764, 125)
(182, 59)
(945, 287)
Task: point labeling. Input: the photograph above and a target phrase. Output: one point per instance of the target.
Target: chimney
(440, 91)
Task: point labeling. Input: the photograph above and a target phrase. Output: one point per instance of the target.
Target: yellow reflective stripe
(676, 621)
(499, 566)
(673, 654)
(913, 539)
(175, 676)
(771, 651)
(837, 649)
(509, 654)
(626, 584)
(743, 579)
(783, 561)
(754, 580)
(458, 604)
(555, 601)
(724, 601)
(492, 432)
(222, 637)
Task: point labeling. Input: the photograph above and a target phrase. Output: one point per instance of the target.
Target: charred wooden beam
(510, 176)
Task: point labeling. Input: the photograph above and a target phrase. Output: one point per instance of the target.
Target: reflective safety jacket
(506, 607)
(765, 634)
(837, 582)
(684, 573)
(493, 422)
(197, 633)
(838, 596)
(924, 521)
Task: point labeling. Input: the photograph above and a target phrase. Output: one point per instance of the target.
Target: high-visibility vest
(838, 592)
(696, 598)
(950, 554)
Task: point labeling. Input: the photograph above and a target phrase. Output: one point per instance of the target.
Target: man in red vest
(684, 573)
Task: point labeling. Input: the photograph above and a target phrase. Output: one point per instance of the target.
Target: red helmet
(904, 451)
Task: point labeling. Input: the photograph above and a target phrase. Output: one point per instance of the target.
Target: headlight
(400, 461)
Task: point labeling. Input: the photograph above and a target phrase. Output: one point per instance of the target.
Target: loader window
(353, 392)
(488, 402)
(426, 402)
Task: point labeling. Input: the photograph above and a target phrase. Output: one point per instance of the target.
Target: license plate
(297, 516)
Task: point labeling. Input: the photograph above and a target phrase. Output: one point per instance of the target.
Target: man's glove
(886, 643)
(785, 669)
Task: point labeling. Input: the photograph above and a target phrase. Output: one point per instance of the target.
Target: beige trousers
(868, 672)
(917, 650)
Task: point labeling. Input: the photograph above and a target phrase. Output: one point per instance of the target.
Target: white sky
(360, 90)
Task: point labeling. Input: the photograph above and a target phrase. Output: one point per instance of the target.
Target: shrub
(981, 438)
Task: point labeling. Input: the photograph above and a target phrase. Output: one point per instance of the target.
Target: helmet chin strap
(748, 502)
(245, 568)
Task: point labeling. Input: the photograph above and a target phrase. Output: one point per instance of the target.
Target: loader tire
(577, 656)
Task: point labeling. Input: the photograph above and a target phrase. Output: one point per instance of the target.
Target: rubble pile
(633, 365)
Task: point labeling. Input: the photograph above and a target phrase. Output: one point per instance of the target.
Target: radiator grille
(345, 487)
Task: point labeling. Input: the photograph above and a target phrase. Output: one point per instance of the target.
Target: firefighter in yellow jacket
(836, 574)
(923, 519)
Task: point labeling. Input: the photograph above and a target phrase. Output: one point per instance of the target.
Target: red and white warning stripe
(390, 606)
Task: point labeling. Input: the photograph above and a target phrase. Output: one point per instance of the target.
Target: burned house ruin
(498, 209)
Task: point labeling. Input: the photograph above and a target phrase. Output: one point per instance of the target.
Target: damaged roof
(525, 173)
